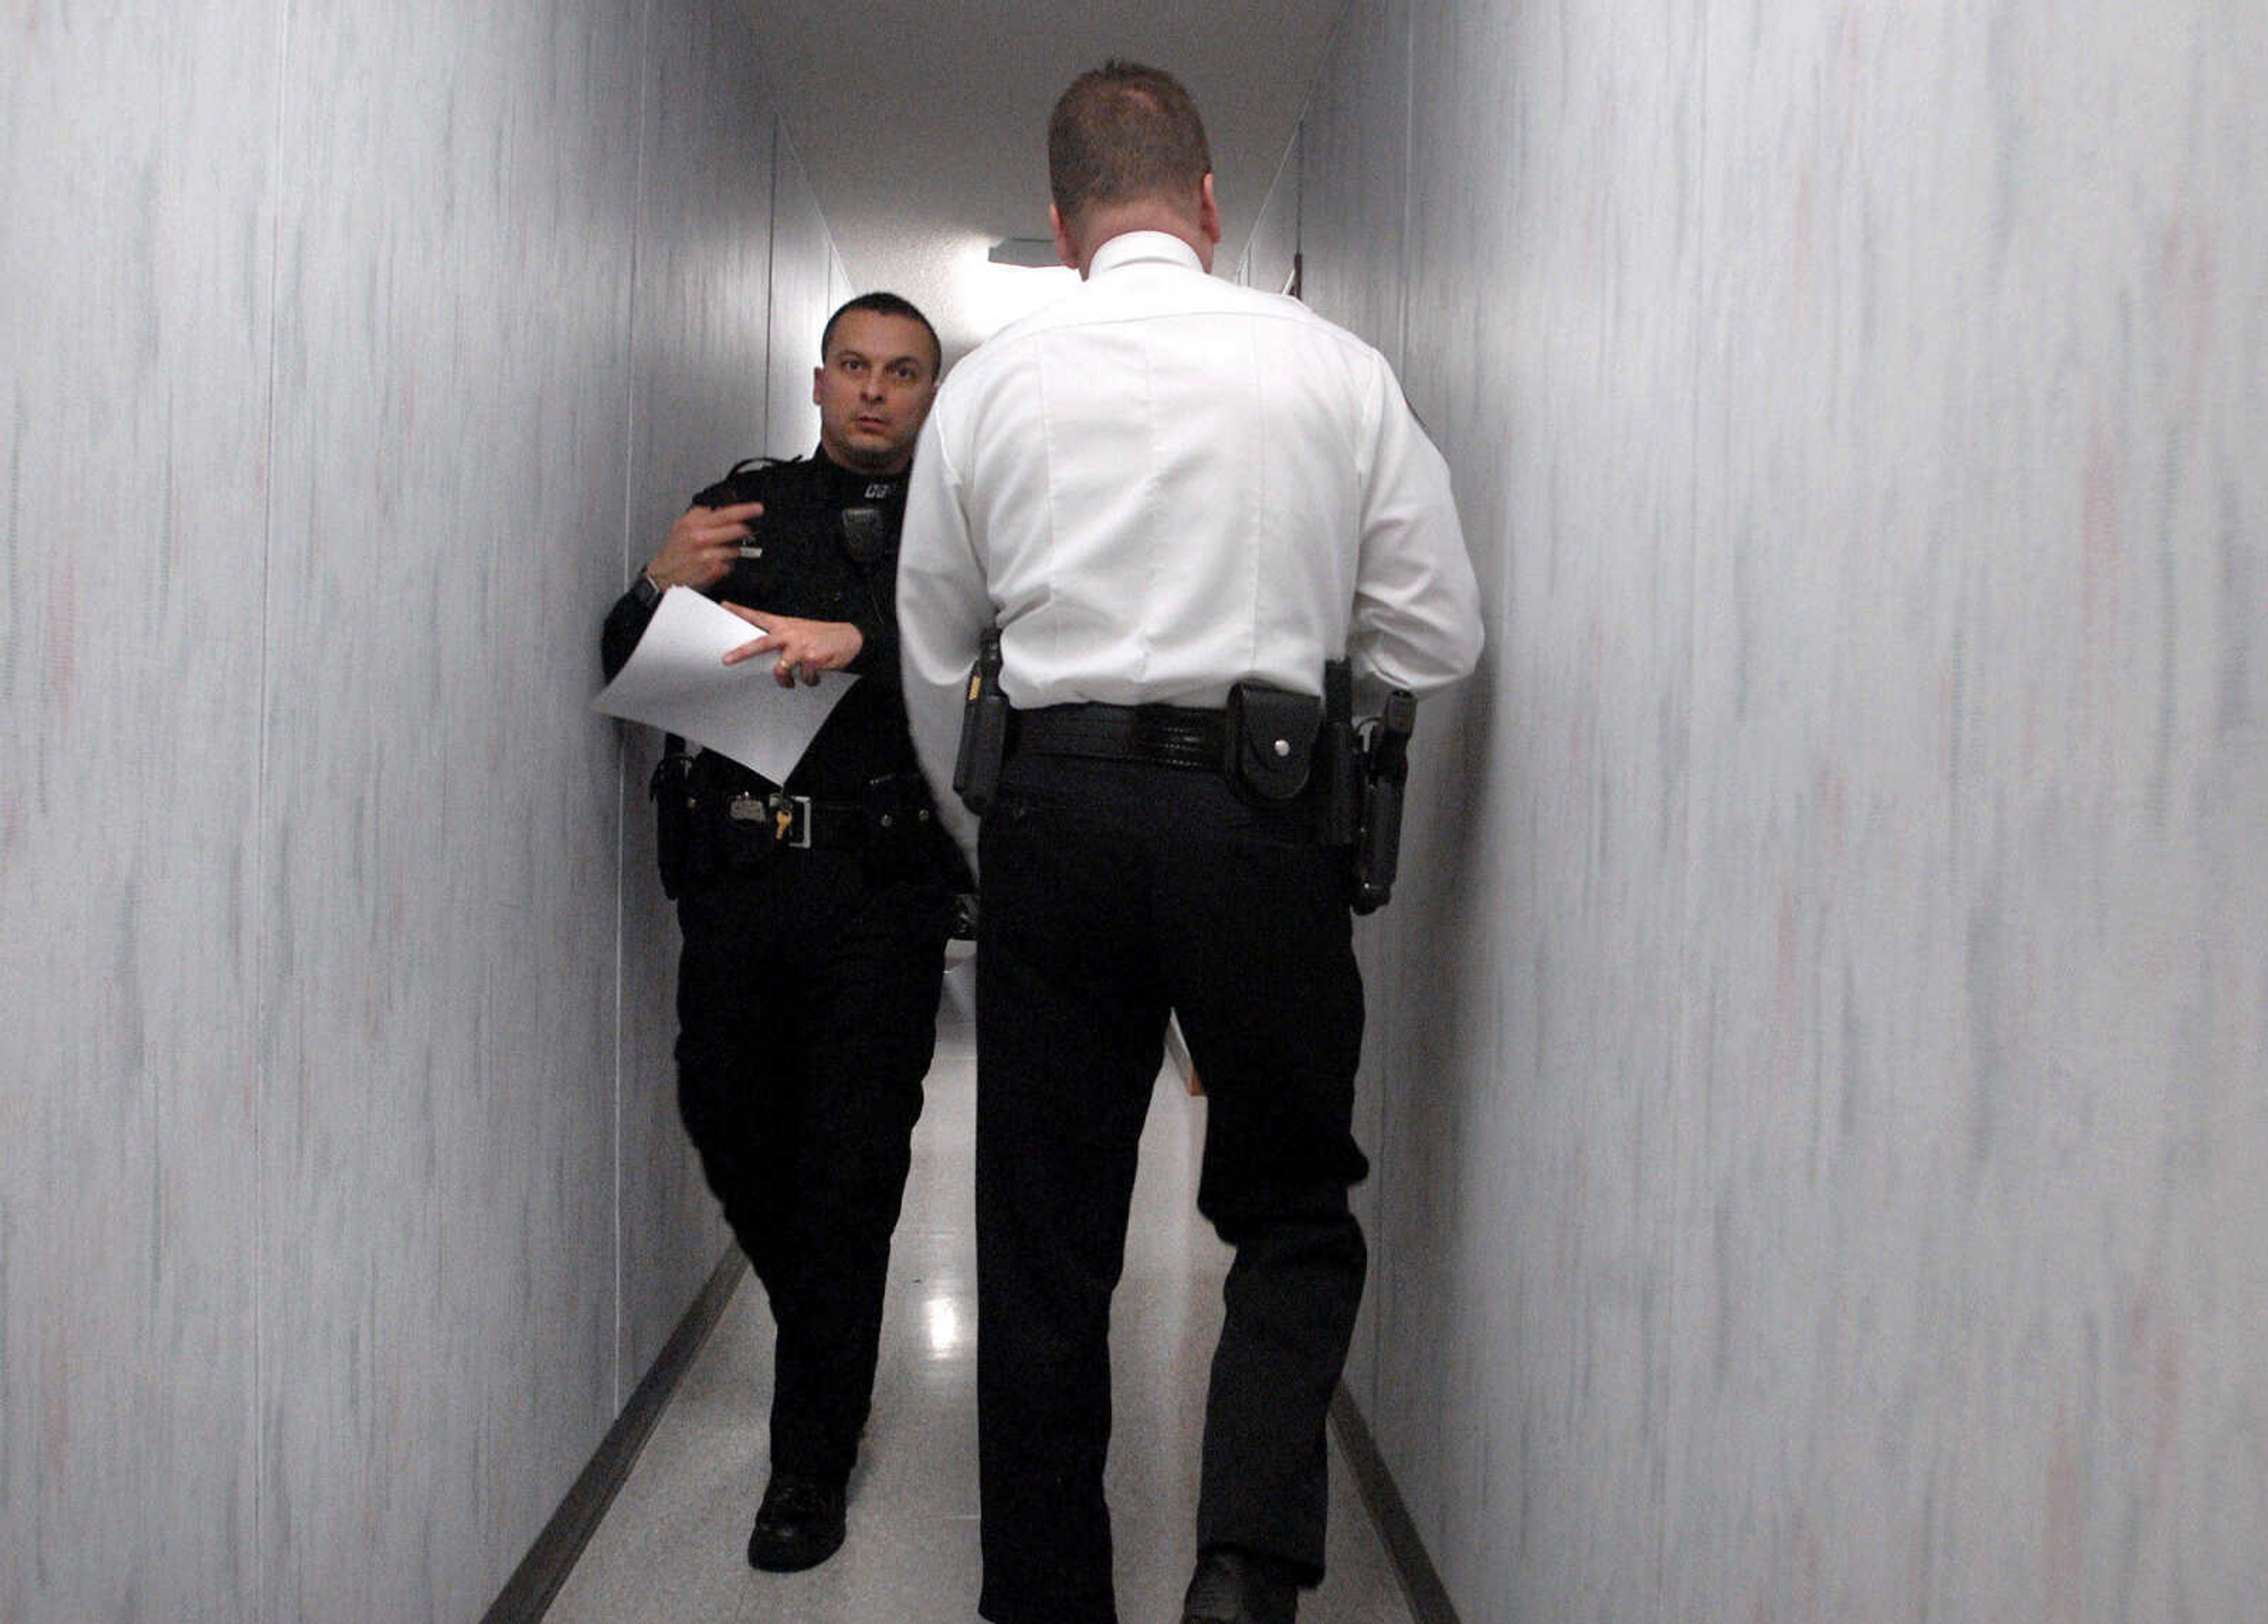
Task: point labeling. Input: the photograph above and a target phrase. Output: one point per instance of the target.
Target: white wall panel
(703, 285)
(801, 282)
(1818, 1051)
(1552, 282)
(349, 372)
(138, 192)
(1274, 243)
(460, 204)
(1353, 148)
(1970, 1194)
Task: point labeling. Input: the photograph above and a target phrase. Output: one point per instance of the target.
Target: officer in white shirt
(1162, 487)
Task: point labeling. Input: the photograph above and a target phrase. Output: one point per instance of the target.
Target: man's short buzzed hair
(885, 304)
(1121, 134)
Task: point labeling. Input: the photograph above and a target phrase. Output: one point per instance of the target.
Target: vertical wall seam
(1403, 254)
(1680, 878)
(771, 271)
(1384, 1170)
(1299, 171)
(262, 955)
(623, 789)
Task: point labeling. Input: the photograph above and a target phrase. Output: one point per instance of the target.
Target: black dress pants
(1115, 893)
(806, 1001)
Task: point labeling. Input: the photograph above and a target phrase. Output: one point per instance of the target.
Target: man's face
(874, 388)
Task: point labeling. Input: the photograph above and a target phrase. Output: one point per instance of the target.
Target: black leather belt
(1162, 735)
(801, 824)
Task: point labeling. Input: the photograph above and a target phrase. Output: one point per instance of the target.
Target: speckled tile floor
(672, 1546)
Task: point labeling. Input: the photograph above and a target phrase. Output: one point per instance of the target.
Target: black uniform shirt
(804, 561)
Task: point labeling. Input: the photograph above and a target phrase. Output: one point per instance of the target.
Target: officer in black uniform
(816, 913)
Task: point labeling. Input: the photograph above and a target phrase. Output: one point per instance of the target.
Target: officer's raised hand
(805, 648)
(701, 544)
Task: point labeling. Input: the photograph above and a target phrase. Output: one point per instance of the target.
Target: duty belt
(799, 822)
(1162, 735)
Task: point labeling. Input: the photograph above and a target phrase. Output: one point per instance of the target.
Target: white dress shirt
(1165, 484)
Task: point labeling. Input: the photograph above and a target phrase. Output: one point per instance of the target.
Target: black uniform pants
(806, 1001)
(1113, 894)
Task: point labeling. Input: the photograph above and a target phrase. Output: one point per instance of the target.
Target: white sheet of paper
(677, 680)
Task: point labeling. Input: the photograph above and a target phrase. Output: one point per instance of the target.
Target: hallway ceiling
(921, 123)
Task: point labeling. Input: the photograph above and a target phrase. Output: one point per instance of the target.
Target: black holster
(983, 732)
(1385, 770)
(1341, 817)
(674, 808)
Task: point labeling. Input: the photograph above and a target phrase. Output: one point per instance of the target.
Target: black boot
(799, 1525)
(1240, 1587)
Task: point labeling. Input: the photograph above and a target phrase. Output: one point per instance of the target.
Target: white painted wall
(804, 272)
(1819, 1056)
(354, 355)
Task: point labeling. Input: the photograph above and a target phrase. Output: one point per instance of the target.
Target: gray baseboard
(1429, 1599)
(528, 1595)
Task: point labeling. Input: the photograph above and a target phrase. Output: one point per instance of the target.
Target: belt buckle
(791, 821)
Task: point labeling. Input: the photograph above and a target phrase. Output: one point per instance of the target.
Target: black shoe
(799, 1525)
(1237, 1587)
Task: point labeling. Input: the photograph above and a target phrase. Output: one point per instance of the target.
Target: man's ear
(818, 374)
(1208, 211)
(1066, 244)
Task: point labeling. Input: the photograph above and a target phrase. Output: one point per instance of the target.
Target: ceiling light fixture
(1031, 253)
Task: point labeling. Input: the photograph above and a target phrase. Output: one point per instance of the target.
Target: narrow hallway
(671, 1545)
(1815, 1068)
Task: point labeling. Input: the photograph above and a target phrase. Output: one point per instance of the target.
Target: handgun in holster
(983, 732)
(1385, 771)
(674, 807)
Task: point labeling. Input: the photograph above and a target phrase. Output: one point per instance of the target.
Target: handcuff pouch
(1269, 741)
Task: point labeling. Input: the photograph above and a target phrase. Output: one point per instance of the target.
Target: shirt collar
(1143, 247)
(874, 487)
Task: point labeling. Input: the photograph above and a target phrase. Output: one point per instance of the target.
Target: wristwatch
(647, 589)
